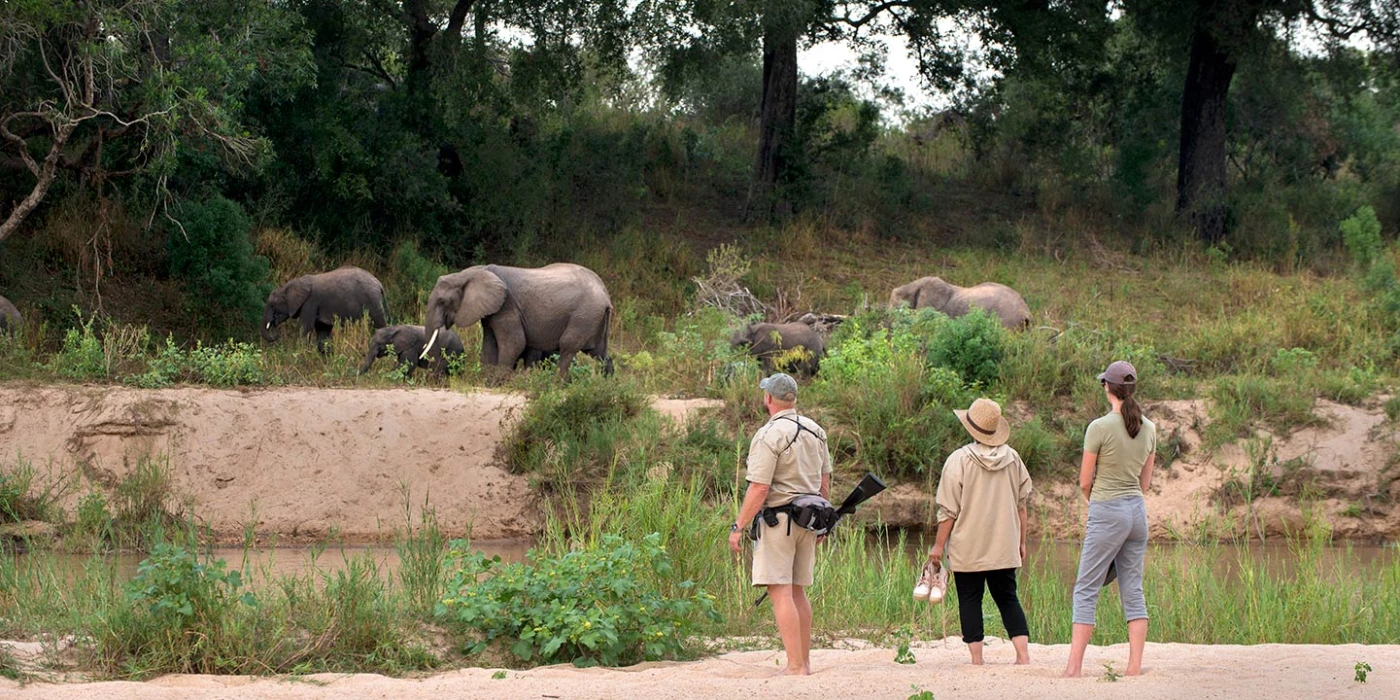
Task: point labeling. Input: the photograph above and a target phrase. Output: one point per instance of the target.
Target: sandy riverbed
(1175, 671)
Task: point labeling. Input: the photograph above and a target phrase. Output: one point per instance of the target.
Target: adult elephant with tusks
(525, 313)
(318, 301)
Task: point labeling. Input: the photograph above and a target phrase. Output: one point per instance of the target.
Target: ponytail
(1131, 410)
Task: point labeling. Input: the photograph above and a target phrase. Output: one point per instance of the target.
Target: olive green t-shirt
(1119, 466)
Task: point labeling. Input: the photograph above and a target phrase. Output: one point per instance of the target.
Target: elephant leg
(602, 357)
(323, 334)
(510, 342)
(490, 350)
(566, 358)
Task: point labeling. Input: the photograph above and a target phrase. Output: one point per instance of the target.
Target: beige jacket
(981, 489)
(790, 459)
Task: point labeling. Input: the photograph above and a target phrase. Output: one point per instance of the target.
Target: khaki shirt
(981, 489)
(1118, 471)
(791, 460)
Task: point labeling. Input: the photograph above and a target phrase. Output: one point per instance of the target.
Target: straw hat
(984, 423)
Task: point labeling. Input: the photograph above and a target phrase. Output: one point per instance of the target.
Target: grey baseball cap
(1119, 372)
(780, 386)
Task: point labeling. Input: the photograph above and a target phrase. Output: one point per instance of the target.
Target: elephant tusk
(428, 348)
(269, 325)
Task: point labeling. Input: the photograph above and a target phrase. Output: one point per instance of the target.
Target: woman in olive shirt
(1119, 449)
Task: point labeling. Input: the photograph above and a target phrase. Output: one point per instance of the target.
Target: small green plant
(1362, 668)
(1353, 510)
(920, 693)
(81, 356)
(499, 675)
(902, 653)
(179, 591)
(1110, 675)
(165, 368)
(598, 605)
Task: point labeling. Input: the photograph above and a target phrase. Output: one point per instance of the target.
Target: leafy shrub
(81, 356)
(570, 433)
(891, 403)
(598, 605)
(973, 345)
(1361, 233)
(409, 280)
(163, 369)
(231, 364)
(210, 250)
(177, 614)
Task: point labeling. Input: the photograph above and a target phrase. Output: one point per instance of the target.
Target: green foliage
(1362, 668)
(920, 693)
(181, 593)
(22, 498)
(893, 405)
(571, 434)
(597, 605)
(1242, 402)
(210, 250)
(231, 364)
(1361, 232)
(902, 653)
(81, 356)
(972, 345)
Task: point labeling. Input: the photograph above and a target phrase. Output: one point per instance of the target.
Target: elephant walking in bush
(996, 299)
(794, 347)
(318, 301)
(10, 320)
(407, 343)
(525, 313)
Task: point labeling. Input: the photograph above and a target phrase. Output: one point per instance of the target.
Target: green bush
(972, 345)
(572, 433)
(1361, 233)
(163, 369)
(597, 605)
(211, 251)
(81, 357)
(178, 611)
(231, 364)
(888, 401)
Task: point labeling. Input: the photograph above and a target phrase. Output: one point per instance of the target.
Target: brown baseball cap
(1119, 372)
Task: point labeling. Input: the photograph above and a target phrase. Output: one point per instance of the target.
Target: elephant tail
(603, 345)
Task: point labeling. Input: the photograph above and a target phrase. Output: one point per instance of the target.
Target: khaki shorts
(782, 559)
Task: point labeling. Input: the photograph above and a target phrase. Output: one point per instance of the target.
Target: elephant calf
(318, 301)
(997, 299)
(408, 343)
(773, 344)
(10, 320)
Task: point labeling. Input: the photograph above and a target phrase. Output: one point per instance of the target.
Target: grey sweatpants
(1117, 534)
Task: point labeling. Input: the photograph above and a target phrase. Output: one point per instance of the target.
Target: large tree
(685, 37)
(1218, 35)
(101, 89)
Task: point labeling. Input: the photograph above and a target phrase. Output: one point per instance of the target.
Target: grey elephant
(525, 313)
(771, 342)
(996, 299)
(10, 320)
(407, 343)
(320, 300)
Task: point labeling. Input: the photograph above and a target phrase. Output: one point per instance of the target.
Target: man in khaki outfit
(788, 457)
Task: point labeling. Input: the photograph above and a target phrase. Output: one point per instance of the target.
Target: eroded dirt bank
(291, 462)
(1171, 672)
(300, 462)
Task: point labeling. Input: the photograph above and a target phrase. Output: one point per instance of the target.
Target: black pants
(1002, 583)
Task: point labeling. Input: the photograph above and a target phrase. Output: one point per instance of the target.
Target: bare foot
(976, 661)
(1023, 662)
(1070, 674)
(799, 671)
(1133, 672)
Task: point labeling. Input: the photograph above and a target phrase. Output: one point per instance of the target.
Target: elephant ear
(296, 294)
(936, 293)
(906, 294)
(483, 294)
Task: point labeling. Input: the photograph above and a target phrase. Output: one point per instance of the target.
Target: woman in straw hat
(1119, 450)
(981, 500)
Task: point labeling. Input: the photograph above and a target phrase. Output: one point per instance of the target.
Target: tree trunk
(44, 173)
(768, 196)
(1200, 175)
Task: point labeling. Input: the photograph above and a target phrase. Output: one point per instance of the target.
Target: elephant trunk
(269, 329)
(376, 350)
